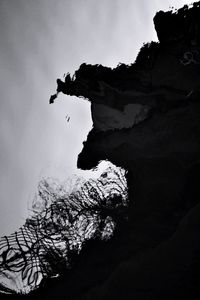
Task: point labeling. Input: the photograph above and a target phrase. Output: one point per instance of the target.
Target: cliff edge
(146, 119)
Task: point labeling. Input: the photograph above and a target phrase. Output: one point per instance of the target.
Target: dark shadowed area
(40, 41)
(133, 232)
(146, 119)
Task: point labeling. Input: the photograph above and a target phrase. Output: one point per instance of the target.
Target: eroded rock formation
(146, 118)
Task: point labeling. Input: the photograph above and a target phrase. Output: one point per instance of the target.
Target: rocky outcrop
(146, 118)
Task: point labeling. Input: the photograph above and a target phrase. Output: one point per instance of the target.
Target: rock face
(147, 119)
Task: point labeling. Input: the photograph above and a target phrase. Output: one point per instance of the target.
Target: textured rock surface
(156, 255)
(160, 249)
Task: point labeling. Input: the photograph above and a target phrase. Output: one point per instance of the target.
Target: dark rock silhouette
(146, 118)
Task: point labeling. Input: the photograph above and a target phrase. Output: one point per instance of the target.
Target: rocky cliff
(146, 119)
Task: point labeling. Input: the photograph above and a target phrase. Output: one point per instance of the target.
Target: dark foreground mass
(146, 120)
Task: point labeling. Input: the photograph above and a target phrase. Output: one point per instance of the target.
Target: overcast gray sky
(40, 40)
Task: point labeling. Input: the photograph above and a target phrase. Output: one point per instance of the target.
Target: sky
(40, 40)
